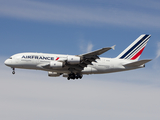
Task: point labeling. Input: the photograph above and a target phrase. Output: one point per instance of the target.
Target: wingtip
(150, 59)
(113, 47)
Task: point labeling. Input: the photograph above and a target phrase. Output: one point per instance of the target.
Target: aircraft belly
(87, 70)
(107, 68)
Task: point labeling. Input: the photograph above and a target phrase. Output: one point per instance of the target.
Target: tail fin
(134, 50)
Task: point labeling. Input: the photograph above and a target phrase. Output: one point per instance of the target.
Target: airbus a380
(75, 66)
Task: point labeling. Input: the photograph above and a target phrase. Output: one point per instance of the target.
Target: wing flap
(137, 63)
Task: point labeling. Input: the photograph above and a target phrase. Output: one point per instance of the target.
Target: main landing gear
(74, 76)
(13, 72)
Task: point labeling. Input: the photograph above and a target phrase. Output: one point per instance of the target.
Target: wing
(90, 57)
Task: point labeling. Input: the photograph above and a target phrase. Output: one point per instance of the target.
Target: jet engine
(53, 74)
(55, 64)
(73, 60)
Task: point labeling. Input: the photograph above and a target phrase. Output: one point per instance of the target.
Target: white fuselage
(37, 60)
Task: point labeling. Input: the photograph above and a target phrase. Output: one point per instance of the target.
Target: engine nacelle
(55, 64)
(53, 74)
(65, 75)
(73, 60)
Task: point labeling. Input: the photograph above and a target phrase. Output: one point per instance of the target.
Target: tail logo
(134, 51)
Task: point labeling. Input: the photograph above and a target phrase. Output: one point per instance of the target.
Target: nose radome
(6, 62)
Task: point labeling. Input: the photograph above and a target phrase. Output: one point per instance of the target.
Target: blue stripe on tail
(134, 46)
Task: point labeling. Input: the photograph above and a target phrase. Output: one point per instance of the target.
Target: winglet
(113, 47)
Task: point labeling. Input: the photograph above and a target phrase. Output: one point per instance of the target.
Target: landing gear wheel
(13, 72)
(74, 76)
(78, 76)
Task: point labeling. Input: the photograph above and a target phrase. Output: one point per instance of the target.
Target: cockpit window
(10, 58)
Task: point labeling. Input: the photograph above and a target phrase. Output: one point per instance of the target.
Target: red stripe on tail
(138, 54)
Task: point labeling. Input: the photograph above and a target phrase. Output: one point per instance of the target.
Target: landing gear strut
(13, 72)
(74, 76)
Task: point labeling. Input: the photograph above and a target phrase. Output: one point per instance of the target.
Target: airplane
(75, 66)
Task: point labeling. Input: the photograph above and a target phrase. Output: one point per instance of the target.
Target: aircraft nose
(7, 62)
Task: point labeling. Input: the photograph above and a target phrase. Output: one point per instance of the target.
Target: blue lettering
(36, 57)
(44, 58)
(52, 58)
(29, 57)
(40, 57)
(23, 56)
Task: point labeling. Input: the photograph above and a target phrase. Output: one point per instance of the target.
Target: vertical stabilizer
(134, 50)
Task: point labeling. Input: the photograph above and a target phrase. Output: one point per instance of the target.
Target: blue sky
(75, 27)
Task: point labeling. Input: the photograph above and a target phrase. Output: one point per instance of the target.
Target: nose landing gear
(13, 72)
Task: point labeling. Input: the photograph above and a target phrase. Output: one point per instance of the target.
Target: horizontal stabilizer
(137, 63)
